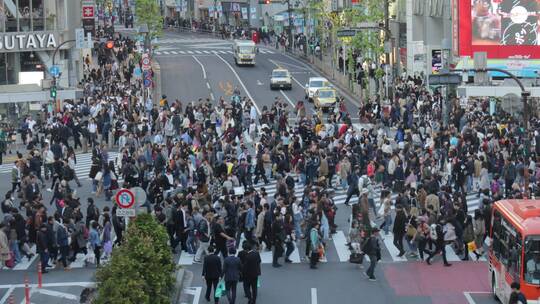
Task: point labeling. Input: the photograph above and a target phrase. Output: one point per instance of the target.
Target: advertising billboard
(502, 28)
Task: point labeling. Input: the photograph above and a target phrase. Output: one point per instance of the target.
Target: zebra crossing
(32, 263)
(202, 52)
(82, 168)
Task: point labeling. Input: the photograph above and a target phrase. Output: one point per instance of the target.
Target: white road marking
(56, 294)
(288, 99)
(451, 255)
(195, 292)
(174, 52)
(206, 52)
(185, 258)
(241, 83)
(25, 263)
(340, 242)
(313, 295)
(182, 52)
(166, 52)
(392, 250)
(212, 96)
(259, 82)
(189, 52)
(470, 300)
(203, 69)
(6, 296)
(61, 284)
(223, 52)
(208, 85)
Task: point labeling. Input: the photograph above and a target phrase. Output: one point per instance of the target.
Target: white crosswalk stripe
(166, 52)
(189, 52)
(174, 52)
(82, 168)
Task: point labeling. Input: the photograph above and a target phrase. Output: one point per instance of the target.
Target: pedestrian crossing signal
(53, 92)
(265, 2)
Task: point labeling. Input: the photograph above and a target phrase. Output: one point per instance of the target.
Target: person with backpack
(437, 235)
(79, 239)
(372, 249)
(204, 233)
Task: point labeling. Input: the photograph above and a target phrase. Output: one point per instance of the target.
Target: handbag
(471, 246)
(321, 251)
(356, 258)
(220, 289)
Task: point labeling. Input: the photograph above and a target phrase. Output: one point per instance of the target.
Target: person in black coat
(211, 272)
(232, 269)
(42, 247)
(251, 265)
(400, 224)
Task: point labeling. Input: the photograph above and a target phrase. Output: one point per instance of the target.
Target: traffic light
(265, 2)
(53, 91)
(109, 45)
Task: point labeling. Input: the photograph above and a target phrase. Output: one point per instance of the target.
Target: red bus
(514, 251)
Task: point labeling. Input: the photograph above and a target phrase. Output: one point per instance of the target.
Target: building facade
(30, 31)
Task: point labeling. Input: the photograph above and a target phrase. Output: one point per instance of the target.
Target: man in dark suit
(232, 267)
(32, 189)
(211, 272)
(251, 271)
(180, 224)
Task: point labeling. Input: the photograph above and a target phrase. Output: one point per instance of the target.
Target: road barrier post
(26, 291)
(40, 275)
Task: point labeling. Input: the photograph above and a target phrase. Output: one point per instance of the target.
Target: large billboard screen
(502, 28)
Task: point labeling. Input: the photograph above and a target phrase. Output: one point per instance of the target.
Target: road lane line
(212, 96)
(470, 300)
(202, 67)
(208, 85)
(241, 83)
(6, 296)
(313, 295)
(288, 99)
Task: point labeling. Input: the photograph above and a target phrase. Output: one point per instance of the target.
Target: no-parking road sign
(125, 198)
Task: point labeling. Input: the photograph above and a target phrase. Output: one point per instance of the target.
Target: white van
(244, 52)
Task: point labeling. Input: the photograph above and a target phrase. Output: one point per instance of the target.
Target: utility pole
(387, 29)
(289, 12)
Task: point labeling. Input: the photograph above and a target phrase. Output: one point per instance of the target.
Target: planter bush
(141, 270)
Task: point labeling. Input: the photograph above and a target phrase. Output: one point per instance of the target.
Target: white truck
(244, 52)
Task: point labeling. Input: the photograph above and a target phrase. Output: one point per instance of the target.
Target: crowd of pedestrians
(204, 169)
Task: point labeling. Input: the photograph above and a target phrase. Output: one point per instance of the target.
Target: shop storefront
(30, 31)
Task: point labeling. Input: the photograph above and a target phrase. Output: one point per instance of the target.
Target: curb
(177, 292)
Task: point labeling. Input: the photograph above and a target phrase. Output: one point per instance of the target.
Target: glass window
(246, 50)
(3, 68)
(38, 15)
(326, 94)
(531, 271)
(26, 14)
(279, 74)
(11, 20)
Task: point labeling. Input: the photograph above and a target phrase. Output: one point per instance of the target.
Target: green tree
(141, 270)
(149, 12)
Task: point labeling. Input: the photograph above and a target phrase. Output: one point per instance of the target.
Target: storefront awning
(33, 93)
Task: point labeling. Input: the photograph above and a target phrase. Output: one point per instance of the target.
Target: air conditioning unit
(46, 84)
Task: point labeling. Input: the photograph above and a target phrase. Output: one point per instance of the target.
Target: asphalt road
(336, 281)
(183, 73)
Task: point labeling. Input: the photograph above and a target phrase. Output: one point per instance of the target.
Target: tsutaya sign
(31, 41)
